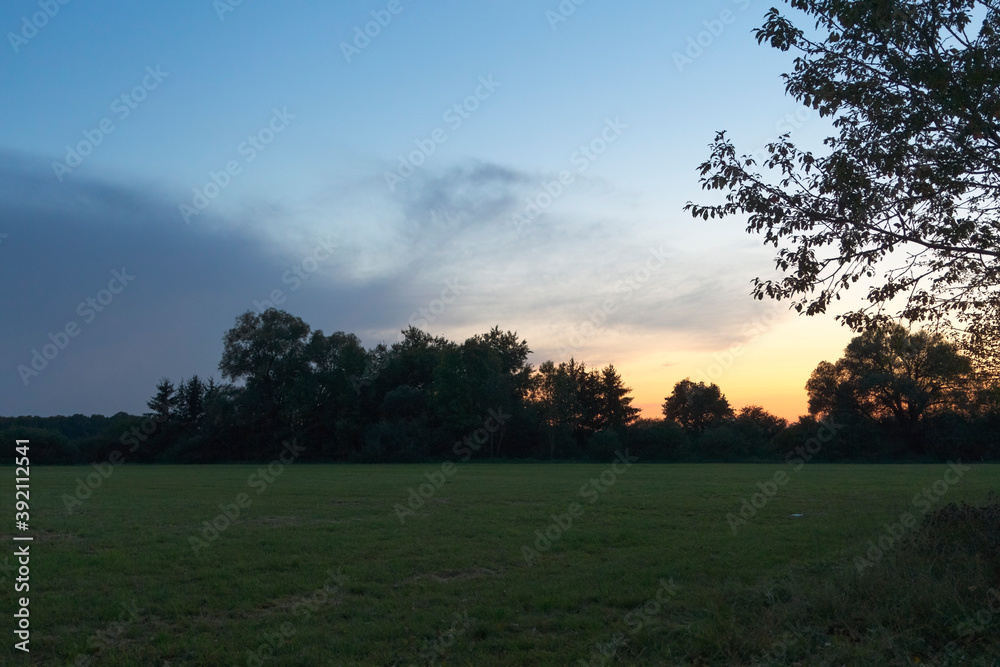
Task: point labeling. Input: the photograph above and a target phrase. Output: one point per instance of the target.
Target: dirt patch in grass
(272, 521)
(311, 602)
(336, 521)
(447, 576)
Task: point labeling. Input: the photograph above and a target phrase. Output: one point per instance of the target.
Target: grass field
(320, 567)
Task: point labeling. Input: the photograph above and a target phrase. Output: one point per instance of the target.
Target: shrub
(602, 445)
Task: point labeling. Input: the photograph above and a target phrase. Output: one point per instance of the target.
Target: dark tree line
(894, 395)
(915, 394)
(409, 401)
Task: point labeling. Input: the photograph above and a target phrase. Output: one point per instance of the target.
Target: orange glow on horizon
(770, 371)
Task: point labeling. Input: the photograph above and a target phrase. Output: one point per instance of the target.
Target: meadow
(501, 564)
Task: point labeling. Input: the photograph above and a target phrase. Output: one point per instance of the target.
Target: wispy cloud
(396, 253)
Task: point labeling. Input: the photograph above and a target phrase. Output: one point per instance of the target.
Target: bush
(602, 445)
(930, 599)
(959, 529)
(395, 442)
(46, 447)
(722, 443)
(656, 440)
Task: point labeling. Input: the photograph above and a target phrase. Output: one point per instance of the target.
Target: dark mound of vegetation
(931, 599)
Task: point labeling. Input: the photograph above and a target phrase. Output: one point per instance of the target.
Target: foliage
(165, 400)
(757, 422)
(696, 406)
(911, 176)
(892, 374)
(425, 397)
(268, 353)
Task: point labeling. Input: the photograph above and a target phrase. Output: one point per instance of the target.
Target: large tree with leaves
(696, 406)
(268, 353)
(487, 372)
(556, 395)
(328, 394)
(892, 375)
(910, 185)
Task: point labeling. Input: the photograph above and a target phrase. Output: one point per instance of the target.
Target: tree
(616, 411)
(513, 358)
(913, 91)
(190, 401)
(756, 430)
(466, 384)
(589, 400)
(982, 346)
(227, 419)
(328, 394)
(696, 406)
(411, 361)
(556, 395)
(754, 418)
(162, 404)
(268, 353)
(486, 372)
(891, 374)
(574, 400)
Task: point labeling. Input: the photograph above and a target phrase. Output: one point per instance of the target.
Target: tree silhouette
(696, 406)
(754, 418)
(190, 401)
(892, 374)
(268, 353)
(327, 396)
(556, 394)
(162, 404)
(913, 89)
(616, 405)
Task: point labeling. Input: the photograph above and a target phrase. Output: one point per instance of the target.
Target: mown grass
(320, 570)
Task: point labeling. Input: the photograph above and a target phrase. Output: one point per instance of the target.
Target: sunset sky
(462, 165)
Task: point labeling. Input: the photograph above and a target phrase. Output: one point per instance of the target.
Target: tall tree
(982, 346)
(556, 396)
(589, 398)
(913, 168)
(190, 401)
(757, 424)
(696, 406)
(469, 381)
(513, 358)
(328, 393)
(162, 404)
(412, 360)
(616, 405)
(268, 353)
(892, 374)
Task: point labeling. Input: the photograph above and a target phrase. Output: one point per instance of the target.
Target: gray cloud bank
(106, 289)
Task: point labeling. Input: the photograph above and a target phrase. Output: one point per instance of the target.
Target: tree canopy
(425, 397)
(892, 374)
(910, 185)
(696, 406)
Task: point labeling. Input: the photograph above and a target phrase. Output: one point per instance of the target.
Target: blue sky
(256, 108)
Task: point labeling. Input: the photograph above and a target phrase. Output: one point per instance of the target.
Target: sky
(165, 167)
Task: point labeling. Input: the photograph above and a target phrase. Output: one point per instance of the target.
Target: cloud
(64, 241)
(396, 257)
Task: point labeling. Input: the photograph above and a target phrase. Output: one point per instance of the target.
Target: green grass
(453, 574)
